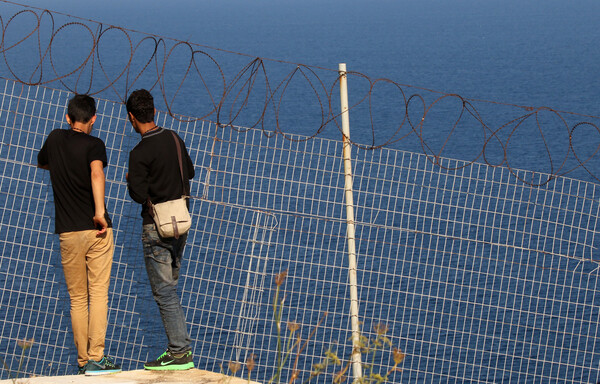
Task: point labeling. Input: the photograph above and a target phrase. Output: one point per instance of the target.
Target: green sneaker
(171, 362)
(103, 367)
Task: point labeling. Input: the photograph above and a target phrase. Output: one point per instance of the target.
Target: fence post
(350, 231)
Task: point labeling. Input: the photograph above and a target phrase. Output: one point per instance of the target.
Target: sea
(505, 57)
(528, 53)
(525, 52)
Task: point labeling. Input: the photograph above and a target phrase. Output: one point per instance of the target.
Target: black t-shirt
(69, 154)
(154, 170)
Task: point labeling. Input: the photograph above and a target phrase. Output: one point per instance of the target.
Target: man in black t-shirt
(154, 174)
(76, 163)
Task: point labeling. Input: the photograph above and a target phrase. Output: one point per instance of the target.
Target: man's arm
(190, 164)
(42, 158)
(137, 178)
(98, 183)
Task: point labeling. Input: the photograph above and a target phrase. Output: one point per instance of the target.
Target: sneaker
(81, 370)
(102, 367)
(170, 362)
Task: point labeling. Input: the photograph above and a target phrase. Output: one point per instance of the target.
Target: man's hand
(98, 182)
(100, 221)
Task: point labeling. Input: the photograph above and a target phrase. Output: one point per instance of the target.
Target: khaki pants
(87, 261)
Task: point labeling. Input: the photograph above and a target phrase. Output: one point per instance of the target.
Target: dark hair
(141, 105)
(81, 108)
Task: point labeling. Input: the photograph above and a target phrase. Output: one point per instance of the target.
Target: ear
(93, 120)
(68, 119)
(131, 117)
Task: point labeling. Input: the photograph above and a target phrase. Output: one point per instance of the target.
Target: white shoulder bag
(172, 218)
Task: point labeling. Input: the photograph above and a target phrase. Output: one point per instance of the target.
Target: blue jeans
(163, 260)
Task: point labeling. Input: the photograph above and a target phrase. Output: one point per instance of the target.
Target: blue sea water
(526, 52)
(531, 53)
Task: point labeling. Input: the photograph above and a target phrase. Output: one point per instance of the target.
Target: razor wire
(239, 90)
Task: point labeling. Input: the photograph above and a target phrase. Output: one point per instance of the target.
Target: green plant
(25, 345)
(283, 354)
(369, 348)
(292, 345)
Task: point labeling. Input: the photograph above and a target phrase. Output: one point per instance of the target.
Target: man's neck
(146, 127)
(81, 127)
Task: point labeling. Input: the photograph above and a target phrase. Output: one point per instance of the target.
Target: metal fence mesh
(474, 274)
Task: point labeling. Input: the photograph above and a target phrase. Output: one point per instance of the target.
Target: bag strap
(180, 162)
(148, 202)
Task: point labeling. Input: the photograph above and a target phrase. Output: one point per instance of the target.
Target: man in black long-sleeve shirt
(154, 174)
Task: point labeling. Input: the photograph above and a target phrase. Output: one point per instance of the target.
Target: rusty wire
(149, 59)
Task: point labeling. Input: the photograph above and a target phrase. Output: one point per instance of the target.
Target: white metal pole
(350, 230)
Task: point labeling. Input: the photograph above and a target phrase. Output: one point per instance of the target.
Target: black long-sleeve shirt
(154, 170)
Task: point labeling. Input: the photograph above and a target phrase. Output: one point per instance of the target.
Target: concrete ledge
(137, 377)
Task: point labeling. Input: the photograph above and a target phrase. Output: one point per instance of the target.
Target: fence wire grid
(473, 274)
(477, 270)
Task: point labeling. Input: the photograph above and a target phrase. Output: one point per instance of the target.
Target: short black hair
(141, 105)
(81, 108)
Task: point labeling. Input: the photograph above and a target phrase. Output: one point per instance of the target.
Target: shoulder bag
(172, 218)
